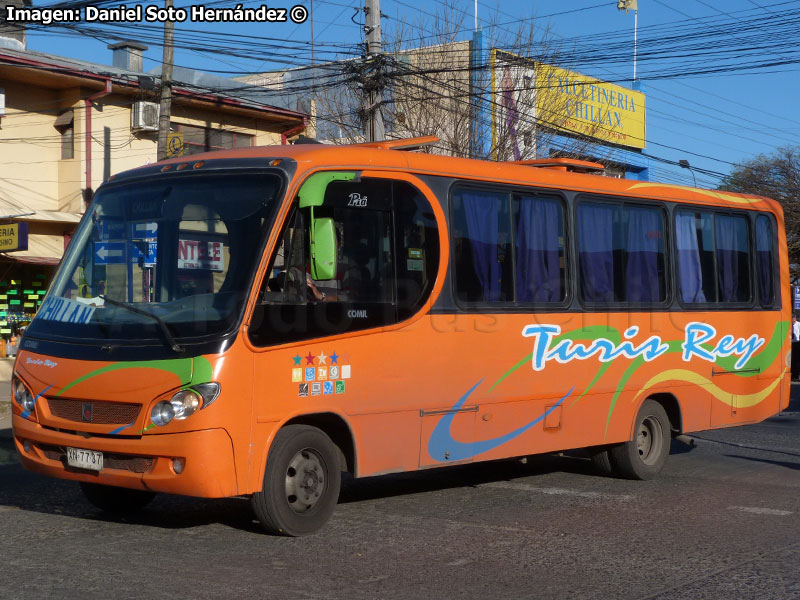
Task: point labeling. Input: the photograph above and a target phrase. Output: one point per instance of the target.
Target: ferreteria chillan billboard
(527, 94)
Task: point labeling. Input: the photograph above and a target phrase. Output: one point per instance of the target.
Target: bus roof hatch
(561, 164)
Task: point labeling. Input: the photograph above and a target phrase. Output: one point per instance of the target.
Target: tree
(774, 176)
(427, 89)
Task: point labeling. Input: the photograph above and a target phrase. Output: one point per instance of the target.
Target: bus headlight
(162, 413)
(185, 403)
(23, 396)
(208, 391)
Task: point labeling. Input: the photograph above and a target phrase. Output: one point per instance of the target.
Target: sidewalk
(6, 364)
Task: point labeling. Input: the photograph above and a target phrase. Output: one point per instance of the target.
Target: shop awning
(53, 216)
(42, 250)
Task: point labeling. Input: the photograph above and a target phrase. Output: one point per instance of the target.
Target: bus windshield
(163, 259)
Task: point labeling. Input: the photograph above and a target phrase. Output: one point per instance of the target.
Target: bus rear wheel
(301, 482)
(116, 500)
(644, 456)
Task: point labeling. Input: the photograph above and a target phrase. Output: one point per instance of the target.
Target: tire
(645, 455)
(301, 482)
(116, 500)
(601, 459)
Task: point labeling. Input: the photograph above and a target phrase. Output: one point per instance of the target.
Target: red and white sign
(194, 254)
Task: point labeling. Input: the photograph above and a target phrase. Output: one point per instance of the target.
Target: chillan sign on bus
(196, 254)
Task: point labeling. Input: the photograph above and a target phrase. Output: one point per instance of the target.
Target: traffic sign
(174, 144)
(112, 229)
(146, 250)
(109, 253)
(143, 230)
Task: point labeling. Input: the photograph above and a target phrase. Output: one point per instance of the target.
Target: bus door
(361, 253)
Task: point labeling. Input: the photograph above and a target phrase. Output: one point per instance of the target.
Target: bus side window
(364, 272)
(765, 261)
(538, 229)
(388, 257)
(482, 239)
(417, 248)
(713, 257)
(285, 281)
(621, 253)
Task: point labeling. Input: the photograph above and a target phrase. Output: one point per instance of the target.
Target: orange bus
(256, 321)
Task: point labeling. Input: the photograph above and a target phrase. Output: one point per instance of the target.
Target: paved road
(723, 521)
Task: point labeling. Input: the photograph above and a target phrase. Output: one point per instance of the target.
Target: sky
(714, 120)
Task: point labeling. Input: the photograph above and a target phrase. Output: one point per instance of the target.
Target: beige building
(66, 126)
(429, 94)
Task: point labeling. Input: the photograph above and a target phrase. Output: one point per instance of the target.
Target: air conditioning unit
(144, 116)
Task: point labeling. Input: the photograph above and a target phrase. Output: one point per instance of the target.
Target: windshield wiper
(162, 324)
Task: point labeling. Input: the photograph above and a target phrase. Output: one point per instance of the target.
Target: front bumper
(142, 463)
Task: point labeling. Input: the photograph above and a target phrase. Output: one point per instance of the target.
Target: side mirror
(322, 232)
(323, 249)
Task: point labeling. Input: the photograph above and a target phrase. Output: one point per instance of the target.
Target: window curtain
(596, 253)
(690, 275)
(538, 264)
(731, 240)
(764, 261)
(481, 211)
(645, 232)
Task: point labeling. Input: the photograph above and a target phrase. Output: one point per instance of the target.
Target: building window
(205, 139)
(65, 124)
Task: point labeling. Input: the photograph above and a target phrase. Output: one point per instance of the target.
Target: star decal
(334, 358)
(322, 358)
(310, 359)
(297, 360)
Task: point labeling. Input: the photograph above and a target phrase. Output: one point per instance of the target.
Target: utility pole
(372, 103)
(166, 86)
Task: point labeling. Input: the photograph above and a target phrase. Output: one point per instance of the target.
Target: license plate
(85, 459)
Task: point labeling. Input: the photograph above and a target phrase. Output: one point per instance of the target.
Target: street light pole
(627, 5)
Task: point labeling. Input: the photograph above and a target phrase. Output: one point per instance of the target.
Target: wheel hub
(305, 480)
(648, 440)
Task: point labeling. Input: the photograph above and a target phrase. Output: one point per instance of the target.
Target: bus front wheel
(644, 456)
(301, 482)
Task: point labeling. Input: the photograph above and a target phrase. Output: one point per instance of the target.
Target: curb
(5, 418)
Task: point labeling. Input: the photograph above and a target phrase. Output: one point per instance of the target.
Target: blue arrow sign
(109, 253)
(144, 230)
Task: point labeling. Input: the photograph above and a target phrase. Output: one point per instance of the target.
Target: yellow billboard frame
(591, 107)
